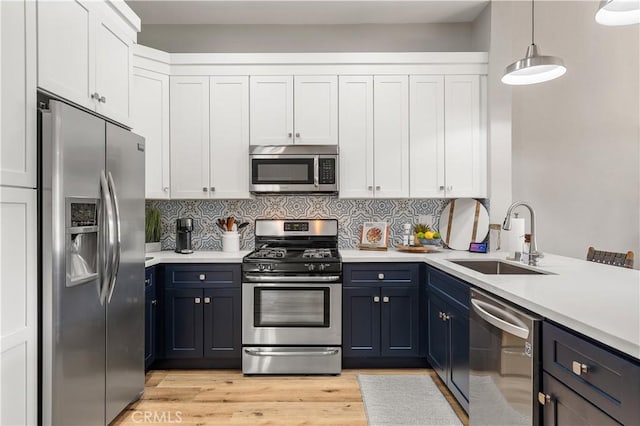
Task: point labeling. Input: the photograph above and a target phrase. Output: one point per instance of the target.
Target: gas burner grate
(270, 253)
(322, 253)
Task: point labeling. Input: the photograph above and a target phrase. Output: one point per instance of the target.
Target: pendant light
(618, 12)
(533, 68)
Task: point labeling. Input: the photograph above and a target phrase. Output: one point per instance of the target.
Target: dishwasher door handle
(492, 314)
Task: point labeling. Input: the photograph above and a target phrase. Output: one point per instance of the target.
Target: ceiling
(305, 12)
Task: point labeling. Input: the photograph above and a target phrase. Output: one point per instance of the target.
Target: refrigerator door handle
(117, 240)
(107, 234)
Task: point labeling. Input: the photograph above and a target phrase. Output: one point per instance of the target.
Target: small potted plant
(152, 230)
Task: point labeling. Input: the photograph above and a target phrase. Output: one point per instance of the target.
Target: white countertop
(599, 301)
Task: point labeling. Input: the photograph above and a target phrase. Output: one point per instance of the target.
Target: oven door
(291, 313)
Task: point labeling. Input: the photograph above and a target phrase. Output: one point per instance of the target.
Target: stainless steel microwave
(293, 168)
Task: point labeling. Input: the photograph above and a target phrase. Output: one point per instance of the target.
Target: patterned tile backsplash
(350, 214)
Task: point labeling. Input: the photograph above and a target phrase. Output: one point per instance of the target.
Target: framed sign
(374, 236)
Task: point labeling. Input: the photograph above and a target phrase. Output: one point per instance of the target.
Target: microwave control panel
(327, 170)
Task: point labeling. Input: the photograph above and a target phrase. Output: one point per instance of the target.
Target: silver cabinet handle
(543, 398)
(95, 96)
(440, 315)
(207, 300)
(297, 135)
(205, 189)
(376, 299)
(202, 277)
(377, 187)
(370, 188)
(197, 300)
(579, 368)
(381, 276)
(154, 302)
(147, 282)
(102, 99)
(290, 135)
(445, 317)
(450, 188)
(441, 187)
(212, 189)
(165, 189)
(385, 299)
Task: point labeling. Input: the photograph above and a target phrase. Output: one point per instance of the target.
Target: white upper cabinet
(85, 56)
(271, 110)
(229, 137)
(465, 159)
(65, 59)
(448, 147)
(391, 136)
(114, 71)
(426, 135)
(18, 100)
(300, 109)
(189, 113)
(150, 119)
(316, 110)
(356, 136)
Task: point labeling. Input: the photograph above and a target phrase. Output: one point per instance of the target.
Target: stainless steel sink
(496, 267)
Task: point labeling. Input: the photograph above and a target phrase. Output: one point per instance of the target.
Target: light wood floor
(223, 397)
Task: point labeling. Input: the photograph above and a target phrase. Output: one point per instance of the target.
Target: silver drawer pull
(202, 277)
(376, 299)
(385, 299)
(543, 399)
(579, 368)
(207, 300)
(291, 353)
(197, 300)
(381, 276)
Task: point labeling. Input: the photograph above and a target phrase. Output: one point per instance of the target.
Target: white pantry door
(271, 107)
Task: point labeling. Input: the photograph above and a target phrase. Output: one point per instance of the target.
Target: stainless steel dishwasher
(504, 358)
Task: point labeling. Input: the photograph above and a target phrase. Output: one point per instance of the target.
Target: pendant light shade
(533, 68)
(618, 12)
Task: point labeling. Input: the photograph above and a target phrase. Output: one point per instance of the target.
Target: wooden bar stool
(624, 260)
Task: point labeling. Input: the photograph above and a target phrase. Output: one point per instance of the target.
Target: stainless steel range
(292, 299)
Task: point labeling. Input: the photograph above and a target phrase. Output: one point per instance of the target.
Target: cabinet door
(356, 136)
(183, 323)
(64, 49)
(222, 323)
(189, 137)
(360, 321)
(316, 110)
(437, 336)
(568, 408)
(463, 166)
(150, 119)
(458, 380)
(18, 100)
(113, 71)
(426, 136)
(391, 136)
(18, 306)
(229, 137)
(400, 321)
(271, 108)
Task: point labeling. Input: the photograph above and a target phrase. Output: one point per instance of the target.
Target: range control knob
(323, 266)
(310, 266)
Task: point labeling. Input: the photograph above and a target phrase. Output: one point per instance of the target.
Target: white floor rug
(405, 400)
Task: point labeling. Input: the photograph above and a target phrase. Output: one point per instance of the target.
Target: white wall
(576, 140)
(307, 38)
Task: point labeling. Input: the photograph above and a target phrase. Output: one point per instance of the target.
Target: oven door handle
(291, 279)
(253, 352)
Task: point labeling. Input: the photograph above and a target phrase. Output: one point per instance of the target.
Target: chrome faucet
(534, 255)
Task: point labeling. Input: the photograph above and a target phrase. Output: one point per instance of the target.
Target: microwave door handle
(316, 173)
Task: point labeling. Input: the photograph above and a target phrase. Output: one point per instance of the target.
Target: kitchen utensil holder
(231, 242)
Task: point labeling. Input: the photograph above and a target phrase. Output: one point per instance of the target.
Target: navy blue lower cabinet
(448, 332)
(150, 317)
(381, 317)
(222, 315)
(360, 321)
(183, 323)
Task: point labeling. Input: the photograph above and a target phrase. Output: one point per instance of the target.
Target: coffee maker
(184, 228)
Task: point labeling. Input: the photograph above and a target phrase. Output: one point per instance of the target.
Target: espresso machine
(184, 228)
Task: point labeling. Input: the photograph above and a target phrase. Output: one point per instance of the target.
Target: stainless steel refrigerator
(92, 266)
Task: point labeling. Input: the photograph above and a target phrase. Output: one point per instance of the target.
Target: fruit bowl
(431, 241)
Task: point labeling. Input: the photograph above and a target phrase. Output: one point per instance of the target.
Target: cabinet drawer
(376, 273)
(449, 287)
(202, 276)
(610, 382)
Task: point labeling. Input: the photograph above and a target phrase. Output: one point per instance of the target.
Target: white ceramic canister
(231, 242)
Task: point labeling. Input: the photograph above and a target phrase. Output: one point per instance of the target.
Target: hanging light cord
(532, 23)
